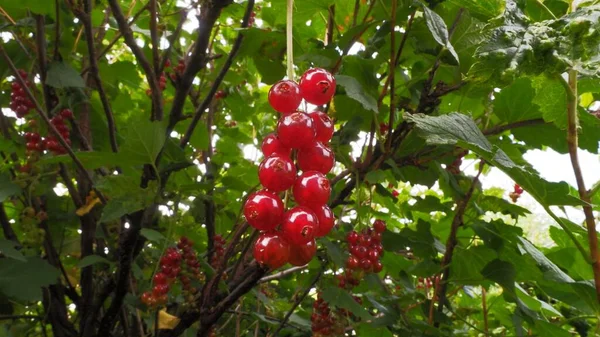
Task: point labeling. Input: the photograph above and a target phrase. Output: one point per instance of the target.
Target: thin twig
(140, 57)
(572, 140)
(392, 77)
(281, 274)
(501, 128)
(40, 42)
(172, 39)
(49, 125)
(457, 221)
(154, 36)
(484, 308)
(213, 90)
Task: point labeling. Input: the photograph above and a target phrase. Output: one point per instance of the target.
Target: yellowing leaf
(167, 321)
(90, 202)
(586, 99)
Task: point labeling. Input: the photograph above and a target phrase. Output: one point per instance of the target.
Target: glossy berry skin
(317, 157)
(366, 264)
(317, 86)
(272, 145)
(160, 278)
(352, 263)
(277, 173)
(373, 255)
(301, 255)
(379, 226)
(284, 96)
(299, 225)
(359, 252)
(323, 126)
(352, 238)
(312, 189)
(263, 210)
(160, 289)
(377, 267)
(271, 250)
(296, 130)
(326, 220)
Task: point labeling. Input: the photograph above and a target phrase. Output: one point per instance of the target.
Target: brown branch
(151, 77)
(40, 42)
(501, 128)
(457, 221)
(49, 125)
(213, 90)
(484, 308)
(330, 25)
(209, 12)
(392, 77)
(572, 141)
(172, 39)
(86, 19)
(154, 36)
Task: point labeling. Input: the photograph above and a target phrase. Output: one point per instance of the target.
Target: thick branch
(457, 221)
(40, 42)
(140, 57)
(213, 90)
(572, 140)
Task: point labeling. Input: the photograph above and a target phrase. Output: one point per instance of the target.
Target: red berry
(395, 193)
(299, 225)
(66, 114)
(317, 86)
(373, 255)
(352, 263)
(56, 120)
(146, 298)
(264, 210)
(376, 237)
(32, 146)
(277, 173)
(160, 289)
(352, 238)
(160, 278)
(271, 250)
(272, 145)
(284, 96)
(296, 130)
(365, 240)
(379, 226)
(326, 220)
(317, 157)
(366, 264)
(312, 189)
(323, 126)
(378, 247)
(301, 255)
(377, 267)
(359, 251)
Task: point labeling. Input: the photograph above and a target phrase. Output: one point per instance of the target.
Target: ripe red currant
(366, 264)
(377, 267)
(373, 255)
(317, 157)
(66, 114)
(301, 255)
(264, 210)
(271, 250)
(317, 86)
(160, 278)
(272, 145)
(296, 130)
(284, 96)
(277, 173)
(312, 189)
(379, 226)
(147, 298)
(352, 263)
(326, 220)
(299, 225)
(352, 238)
(160, 289)
(359, 251)
(323, 126)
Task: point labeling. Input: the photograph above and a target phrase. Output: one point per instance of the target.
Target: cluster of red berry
(324, 321)
(162, 80)
(516, 193)
(365, 253)
(219, 243)
(35, 142)
(395, 192)
(172, 267)
(289, 236)
(253, 17)
(19, 102)
(179, 68)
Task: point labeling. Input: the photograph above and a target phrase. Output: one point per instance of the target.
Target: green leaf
(125, 196)
(551, 271)
(501, 272)
(366, 329)
(334, 251)
(62, 75)
(547, 329)
(438, 29)
(355, 91)
(515, 102)
(91, 260)
(7, 187)
(342, 299)
(152, 235)
(144, 140)
(7, 248)
(484, 9)
(23, 281)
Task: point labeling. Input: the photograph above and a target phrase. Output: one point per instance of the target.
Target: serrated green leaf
(355, 91)
(7, 187)
(342, 299)
(438, 29)
(144, 140)
(23, 281)
(61, 76)
(7, 248)
(152, 235)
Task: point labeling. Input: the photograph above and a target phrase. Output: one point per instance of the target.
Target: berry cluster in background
(19, 102)
(289, 235)
(177, 263)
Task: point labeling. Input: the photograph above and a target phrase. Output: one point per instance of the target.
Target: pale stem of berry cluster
(289, 40)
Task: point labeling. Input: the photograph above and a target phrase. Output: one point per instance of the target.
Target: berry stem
(289, 39)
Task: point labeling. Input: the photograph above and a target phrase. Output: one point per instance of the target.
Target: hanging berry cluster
(19, 102)
(178, 262)
(219, 243)
(35, 143)
(516, 193)
(289, 236)
(324, 321)
(162, 80)
(365, 253)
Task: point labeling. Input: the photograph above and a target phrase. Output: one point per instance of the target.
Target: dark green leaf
(7, 248)
(91, 260)
(355, 91)
(152, 235)
(438, 29)
(62, 75)
(23, 281)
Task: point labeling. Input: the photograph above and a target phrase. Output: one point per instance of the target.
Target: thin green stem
(541, 4)
(290, 39)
